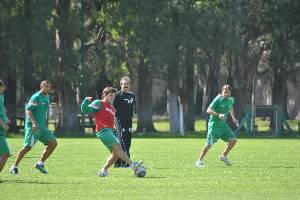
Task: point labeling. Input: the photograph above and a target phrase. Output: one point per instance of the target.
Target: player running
(36, 128)
(218, 110)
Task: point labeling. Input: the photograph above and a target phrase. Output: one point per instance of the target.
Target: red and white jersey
(105, 117)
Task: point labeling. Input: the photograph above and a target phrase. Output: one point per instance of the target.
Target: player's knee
(52, 144)
(4, 156)
(207, 146)
(233, 141)
(27, 148)
(116, 147)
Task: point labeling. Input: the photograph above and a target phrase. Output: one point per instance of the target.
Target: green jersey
(222, 106)
(38, 104)
(2, 112)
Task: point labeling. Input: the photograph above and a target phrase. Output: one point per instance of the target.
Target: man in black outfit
(125, 106)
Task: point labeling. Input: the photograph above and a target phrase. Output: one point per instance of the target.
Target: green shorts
(107, 137)
(43, 135)
(4, 149)
(214, 133)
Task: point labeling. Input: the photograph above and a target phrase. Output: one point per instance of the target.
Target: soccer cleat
(103, 173)
(41, 168)
(117, 165)
(14, 170)
(199, 163)
(135, 165)
(225, 160)
(126, 165)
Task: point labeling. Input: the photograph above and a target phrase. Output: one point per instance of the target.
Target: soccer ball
(140, 172)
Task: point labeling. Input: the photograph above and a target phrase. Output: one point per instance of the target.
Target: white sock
(40, 163)
(14, 167)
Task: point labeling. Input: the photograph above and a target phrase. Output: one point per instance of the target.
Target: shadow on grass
(284, 167)
(153, 177)
(26, 157)
(37, 182)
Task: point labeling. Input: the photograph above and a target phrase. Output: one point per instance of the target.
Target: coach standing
(125, 106)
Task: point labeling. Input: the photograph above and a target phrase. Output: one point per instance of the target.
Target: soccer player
(218, 110)
(104, 114)
(4, 149)
(125, 106)
(36, 128)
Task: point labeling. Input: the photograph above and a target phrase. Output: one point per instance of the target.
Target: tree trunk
(212, 86)
(11, 99)
(189, 93)
(30, 86)
(66, 92)
(144, 98)
(280, 92)
(172, 94)
(243, 71)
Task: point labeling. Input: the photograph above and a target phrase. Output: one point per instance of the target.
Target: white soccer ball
(140, 172)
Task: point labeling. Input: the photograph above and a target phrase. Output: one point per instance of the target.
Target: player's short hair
(108, 90)
(2, 83)
(45, 82)
(227, 87)
(126, 79)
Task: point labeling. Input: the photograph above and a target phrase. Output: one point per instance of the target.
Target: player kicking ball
(218, 110)
(104, 114)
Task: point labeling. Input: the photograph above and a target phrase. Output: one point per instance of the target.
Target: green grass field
(262, 169)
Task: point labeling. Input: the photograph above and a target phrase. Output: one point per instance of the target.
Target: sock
(40, 163)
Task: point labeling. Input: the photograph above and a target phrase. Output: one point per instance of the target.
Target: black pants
(124, 134)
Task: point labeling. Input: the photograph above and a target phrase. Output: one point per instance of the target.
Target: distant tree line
(179, 41)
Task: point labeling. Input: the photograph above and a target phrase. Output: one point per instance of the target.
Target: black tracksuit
(125, 106)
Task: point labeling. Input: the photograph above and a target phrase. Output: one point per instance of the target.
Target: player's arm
(4, 125)
(87, 106)
(134, 106)
(210, 110)
(233, 116)
(31, 106)
(32, 119)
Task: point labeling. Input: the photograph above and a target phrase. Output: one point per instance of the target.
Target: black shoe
(126, 165)
(117, 165)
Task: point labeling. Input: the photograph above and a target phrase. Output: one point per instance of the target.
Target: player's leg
(14, 169)
(123, 156)
(111, 160)
(231, 140)
(127, 139)
(3, 159)
(4, 151)
(231, 143)
(126, 142)
(49, 140)
(120, 135)
(111, 142)
(29, 141)
(52, 144)
(211, 139)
